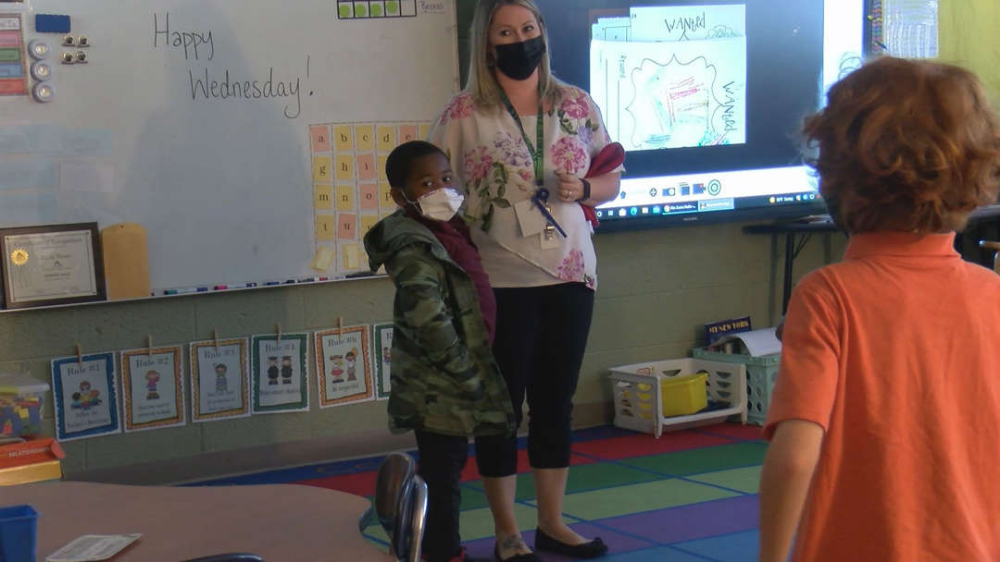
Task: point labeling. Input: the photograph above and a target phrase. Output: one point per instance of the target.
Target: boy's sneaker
(462, 557)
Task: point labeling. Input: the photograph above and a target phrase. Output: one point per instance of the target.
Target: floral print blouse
(489, 156)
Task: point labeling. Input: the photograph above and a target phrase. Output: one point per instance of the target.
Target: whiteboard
(192, 118)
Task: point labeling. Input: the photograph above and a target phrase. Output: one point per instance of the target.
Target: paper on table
(756, 342)
(93, 548)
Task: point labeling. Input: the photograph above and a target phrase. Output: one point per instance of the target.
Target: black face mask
(519, 60)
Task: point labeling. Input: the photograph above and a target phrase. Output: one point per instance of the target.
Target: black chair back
(400, 506)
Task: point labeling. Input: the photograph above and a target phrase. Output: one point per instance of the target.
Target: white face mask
(440, 204)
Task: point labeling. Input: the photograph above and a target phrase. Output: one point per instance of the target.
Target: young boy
(885, 422)
(446, 385)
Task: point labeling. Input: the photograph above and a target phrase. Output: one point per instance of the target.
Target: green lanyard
(536, 151)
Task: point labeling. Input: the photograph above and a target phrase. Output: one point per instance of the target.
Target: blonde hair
(481, 83)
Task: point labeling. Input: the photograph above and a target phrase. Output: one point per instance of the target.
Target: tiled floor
(688, 496)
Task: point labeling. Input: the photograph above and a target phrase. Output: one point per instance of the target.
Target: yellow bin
(684, 395)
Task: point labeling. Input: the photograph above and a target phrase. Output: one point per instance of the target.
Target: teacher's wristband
(586, 190)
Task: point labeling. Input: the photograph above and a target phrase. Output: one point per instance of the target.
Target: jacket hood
(395, 232)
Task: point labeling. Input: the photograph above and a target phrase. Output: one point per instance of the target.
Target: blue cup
(18, 533)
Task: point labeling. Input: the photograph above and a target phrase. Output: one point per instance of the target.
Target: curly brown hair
(906, 145)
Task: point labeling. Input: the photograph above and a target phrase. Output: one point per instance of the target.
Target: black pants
(541, 334)
(442, 458)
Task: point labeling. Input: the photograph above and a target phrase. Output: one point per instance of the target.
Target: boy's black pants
(442, 458)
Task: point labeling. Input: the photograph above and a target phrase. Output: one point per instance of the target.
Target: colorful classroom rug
(688, 496)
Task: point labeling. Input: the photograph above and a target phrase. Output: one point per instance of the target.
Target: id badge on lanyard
(537, 151)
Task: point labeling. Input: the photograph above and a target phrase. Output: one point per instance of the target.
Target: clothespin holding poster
(149, 345)
(215, 334)
(340, 329)
(79, 355)
(278, 330)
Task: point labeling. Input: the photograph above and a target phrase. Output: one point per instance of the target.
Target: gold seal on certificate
(46, 265)
(19, 256)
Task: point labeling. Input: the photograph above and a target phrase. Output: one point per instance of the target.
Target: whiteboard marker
(235, 286)
(185, 291)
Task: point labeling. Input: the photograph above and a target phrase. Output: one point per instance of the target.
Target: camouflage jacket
(444, 377)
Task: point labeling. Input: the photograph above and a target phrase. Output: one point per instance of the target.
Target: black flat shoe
(591, 549)
(530, 557)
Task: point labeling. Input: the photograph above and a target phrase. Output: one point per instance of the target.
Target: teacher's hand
(570, 187)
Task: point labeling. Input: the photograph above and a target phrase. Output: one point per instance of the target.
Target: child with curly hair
(885, 420)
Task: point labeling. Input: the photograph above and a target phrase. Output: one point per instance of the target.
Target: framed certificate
(54, 264)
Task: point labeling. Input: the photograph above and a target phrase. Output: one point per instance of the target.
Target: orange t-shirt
(895, 352)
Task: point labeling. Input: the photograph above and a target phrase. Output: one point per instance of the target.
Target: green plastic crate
(761, 374)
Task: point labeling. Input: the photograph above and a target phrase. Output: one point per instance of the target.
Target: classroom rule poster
(383, 359)
(344, 370)
(219, 373)
(152, 388)
(86, 396)
(280, 373)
